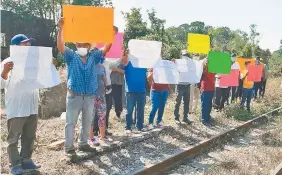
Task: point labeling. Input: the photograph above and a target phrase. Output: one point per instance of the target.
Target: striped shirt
(82, 78)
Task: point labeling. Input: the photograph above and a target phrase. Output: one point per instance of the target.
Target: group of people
(90, 96)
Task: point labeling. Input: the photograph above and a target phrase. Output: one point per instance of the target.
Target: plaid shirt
(82, 78)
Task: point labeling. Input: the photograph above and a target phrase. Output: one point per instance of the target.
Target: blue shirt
(82, 78)
(135, 78)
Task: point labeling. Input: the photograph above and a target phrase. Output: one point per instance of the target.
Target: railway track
(278, 170)
(205, 145)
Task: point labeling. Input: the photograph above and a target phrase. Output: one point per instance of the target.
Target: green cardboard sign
(219, 62)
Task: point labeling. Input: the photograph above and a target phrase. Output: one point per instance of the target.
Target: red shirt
(159, 87)
(207, 81)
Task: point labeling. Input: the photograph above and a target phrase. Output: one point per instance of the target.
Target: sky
(235, 14)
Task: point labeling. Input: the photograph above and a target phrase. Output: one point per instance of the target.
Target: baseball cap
(20, 38)
(183, 52)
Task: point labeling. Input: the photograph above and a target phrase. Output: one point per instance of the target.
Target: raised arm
(60, 37)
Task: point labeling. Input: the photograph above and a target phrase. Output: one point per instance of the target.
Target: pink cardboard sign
(117, 47)
(230, 80)
(255, 73)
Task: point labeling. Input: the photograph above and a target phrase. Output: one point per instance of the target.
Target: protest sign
(117, 47)
(88, 24)
(144, 54)
(255, 73)
(241, 62)
(230, 80)
(219, 62)
(165, 72)
(190, 71)
(33, 68)
(198, 43)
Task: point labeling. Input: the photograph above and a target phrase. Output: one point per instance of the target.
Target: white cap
(183, 52)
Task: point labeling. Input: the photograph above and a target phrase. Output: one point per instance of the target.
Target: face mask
(257, 61)
(82, 51)
(197, 58)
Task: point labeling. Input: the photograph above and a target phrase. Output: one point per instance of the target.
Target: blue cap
(20, 38)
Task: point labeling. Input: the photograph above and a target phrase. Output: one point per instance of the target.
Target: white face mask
(82, 51)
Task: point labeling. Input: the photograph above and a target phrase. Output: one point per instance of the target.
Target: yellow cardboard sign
(88, 24)
(198, 43)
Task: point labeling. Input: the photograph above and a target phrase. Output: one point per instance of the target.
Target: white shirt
(217, 80)
(19, 103)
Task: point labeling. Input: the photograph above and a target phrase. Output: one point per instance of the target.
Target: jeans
(221, 95)
(24, 127)
(75, 105)
(247, 95)
(206, 105)
(183, 91)
(117, 97)
(133, 98)
(158, 99)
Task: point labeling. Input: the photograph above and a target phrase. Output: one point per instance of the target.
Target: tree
(254, 37)
(135, 26)
(221, 38)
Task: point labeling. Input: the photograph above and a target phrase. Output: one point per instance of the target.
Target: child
(100, 105)
(247, 87)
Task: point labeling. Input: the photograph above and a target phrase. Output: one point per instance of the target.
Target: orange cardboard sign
(241, 62)
(88, 24)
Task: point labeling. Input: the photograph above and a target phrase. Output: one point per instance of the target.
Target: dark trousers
(262, 88)
(117, 97)
(206, 106)
(96, 119)
(24, 127)
(183, 92)
(239, 89)
(257, 89)
(220, 97)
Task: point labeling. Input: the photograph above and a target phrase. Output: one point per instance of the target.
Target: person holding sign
(183, 92)
(135, 87)
(221, 94)
(21, 111)
(159, 94)
(247, 87)
(207, 91)
(258, 85)
(82, 85)
(234, 89)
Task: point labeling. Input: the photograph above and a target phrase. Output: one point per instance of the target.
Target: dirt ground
(51, 130)
(258, 152)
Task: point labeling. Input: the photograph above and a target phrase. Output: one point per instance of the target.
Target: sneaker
(108, 133)
(30, 165)
(94, 141)
(106, 139)
(17, 170)
(177, 120)
(71, 154)
(86, 148)
(127, 132)
(151, 126)
(187, 121)
(161, 124)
